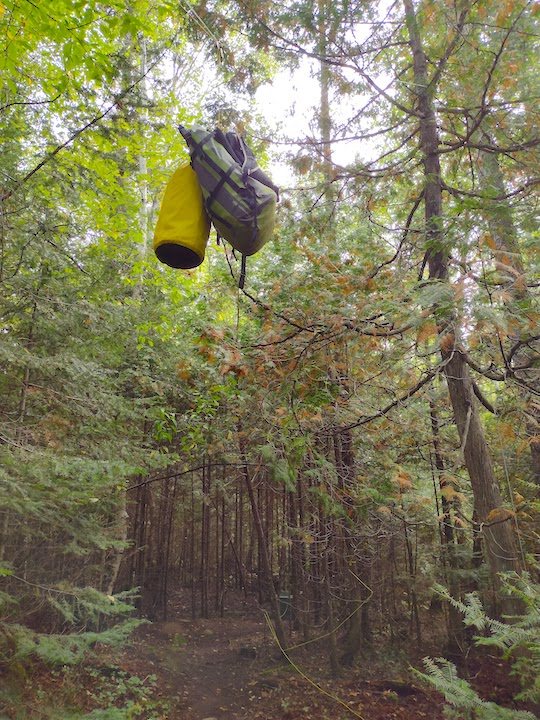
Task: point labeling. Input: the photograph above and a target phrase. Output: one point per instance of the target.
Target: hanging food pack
(239, 198)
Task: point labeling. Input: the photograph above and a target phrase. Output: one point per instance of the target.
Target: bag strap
(225, 177)
(242, 280)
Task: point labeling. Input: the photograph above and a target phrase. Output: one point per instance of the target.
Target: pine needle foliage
(89, 617)
(60, 650)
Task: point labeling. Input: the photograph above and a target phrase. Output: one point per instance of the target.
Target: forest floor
(230, 669)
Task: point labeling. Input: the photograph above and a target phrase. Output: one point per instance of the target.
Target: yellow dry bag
(183, 226)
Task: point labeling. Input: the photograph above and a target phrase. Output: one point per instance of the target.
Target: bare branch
(403, 398)
(30, 102)
(489, 372)
(450, 47)
(176, 473)
(520, 344)
(485, 402)
(404, 235)
(469, 193)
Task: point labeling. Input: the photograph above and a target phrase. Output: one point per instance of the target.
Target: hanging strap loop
(242, 280)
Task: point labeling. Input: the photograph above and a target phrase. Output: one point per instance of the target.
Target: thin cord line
(303, 674)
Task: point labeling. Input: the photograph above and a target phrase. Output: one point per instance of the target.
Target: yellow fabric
(183, 226)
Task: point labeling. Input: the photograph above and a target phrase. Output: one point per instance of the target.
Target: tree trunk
(509, 263)
(205, 541)
(500, 544)
(495, 523)
(121, 525)
(328, 596)
(359, 628)
(448, 539)
(265, 558)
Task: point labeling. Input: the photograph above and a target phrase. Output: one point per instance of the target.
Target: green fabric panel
(244, 216)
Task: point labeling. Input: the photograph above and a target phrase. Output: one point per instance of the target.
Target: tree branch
(506, 196)
(409, 394)
(486, 372)
(520, 344)
(80, 131)
(176, 473)
(485, 402)
(30, 102)
(450, 48)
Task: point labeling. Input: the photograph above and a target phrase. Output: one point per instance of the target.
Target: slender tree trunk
(264, 555)
(296, 564)
(121, 521)
(358, 605)
(450, 561)
(262, 576)
(509, 263)
(241, 580)
(359, 629)
(144, 208)
(205, 542)
(222, 559)
(4, 525)
(239, 536)
(142, 540)
(325, 118)
(168, 545)
(265, 560)
(303, 561)
(121, 525)
(328, 597)
(192, 553)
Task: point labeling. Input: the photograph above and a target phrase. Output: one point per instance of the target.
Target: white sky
(291, 107)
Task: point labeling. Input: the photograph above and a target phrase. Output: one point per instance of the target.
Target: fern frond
(523, 633)
(442, 674)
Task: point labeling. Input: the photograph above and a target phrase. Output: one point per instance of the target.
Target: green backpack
(239, 198)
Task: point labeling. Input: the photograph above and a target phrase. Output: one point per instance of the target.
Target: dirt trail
(206, 668)
(229, 669)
